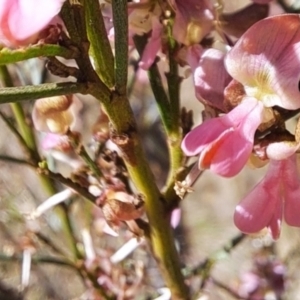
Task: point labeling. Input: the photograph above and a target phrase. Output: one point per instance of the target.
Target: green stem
(23, 127)
(174, 133)
(74, 19)
(33, 92)
(9, 56)
(100, 47)
(28, 142)
(46, 240)
(158, 90)
(68, 182)
(81, 151)
(125, 135)
(40, 259)
(15, 160)
(70, 229)
(17, 134)
(169, 109)
(204, 267)
(120, 19)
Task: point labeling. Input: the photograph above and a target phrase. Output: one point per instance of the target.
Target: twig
(8, 56)
(100, 47)
(120, 19)
(40, 259)
(33, 92)
(205, 266)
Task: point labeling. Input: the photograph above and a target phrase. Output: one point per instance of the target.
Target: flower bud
(56, 114)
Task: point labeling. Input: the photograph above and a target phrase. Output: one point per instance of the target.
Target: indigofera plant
(245, 70)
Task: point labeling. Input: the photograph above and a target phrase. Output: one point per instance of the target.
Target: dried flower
(56, 114)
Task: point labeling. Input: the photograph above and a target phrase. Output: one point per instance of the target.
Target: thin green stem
(100, 47)
(74, 19)
(175, 132)
(15, 160)
(70, 229)
(81, 151)
(17, 134)
(169, 109)
(33, 92)
(125, 135)
(46, 240)
(205, 266)
(23, 127)
(120, 19)
(158, 90)
(9, 56)
(28, 142)
(68, 182)
(40, 259)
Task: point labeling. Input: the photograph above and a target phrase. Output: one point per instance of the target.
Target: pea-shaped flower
(266, 61)
(274, 197)
(56, 114)
(22, 20)
(224, 144)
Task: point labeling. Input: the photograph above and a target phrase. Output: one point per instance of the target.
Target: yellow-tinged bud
(56, 114)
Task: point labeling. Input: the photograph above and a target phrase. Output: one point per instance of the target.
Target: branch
(120, 19)
(175, 132)
(24, 128)
(124, 134)
(205, 266)
(158, 90)
(100, 47)
(68, 182)
(9, 56)
(16, 160)
(39, 259)
(33, 92)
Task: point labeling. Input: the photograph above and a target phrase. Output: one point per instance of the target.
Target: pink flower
(277, 195)
(225, 143)
(153, 45)
(266, 60)
(209, 74)
(21, 20)
(193, 21)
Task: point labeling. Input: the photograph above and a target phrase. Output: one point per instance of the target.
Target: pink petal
(275, 223)
(153, 45)
(248, 113)
(21, 19)
(237, 147)
(292, 207)
(257, 209)
(291, 191)
(266, 58)
(232, 156)
(175, 217)
(281, 150)
(197, 139)
(210, 76)
(190, 12)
